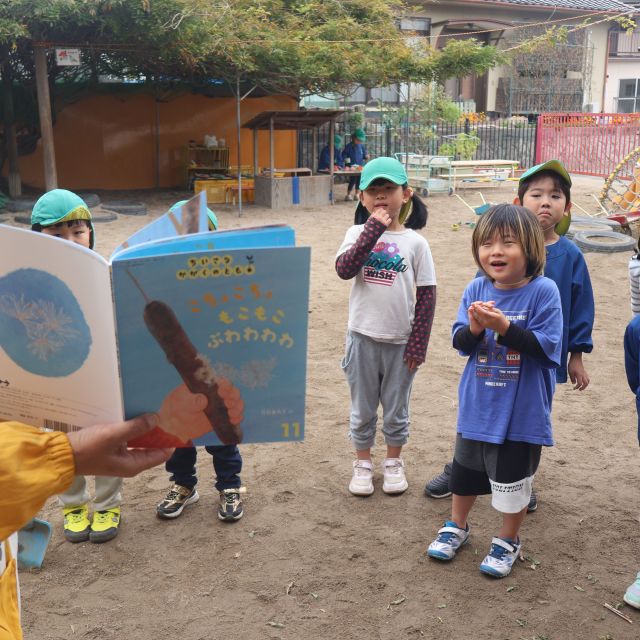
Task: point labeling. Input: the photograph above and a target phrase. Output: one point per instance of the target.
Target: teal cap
(385, 169)
(359, 134)
(59, 205)
(551, 165)
(213, 220)
(337, 140)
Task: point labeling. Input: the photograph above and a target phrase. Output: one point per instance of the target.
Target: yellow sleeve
(34, 465)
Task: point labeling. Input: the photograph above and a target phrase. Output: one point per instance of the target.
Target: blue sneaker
(450, 539)
(499, 561)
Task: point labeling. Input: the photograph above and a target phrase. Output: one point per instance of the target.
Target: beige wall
(109, 142)
(619, 69)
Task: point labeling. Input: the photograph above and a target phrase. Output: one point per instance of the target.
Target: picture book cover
(84, 340)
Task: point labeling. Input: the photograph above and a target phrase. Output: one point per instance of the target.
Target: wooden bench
(468, 174)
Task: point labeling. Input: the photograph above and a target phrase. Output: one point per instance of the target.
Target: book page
(187, 321)
(277, 235)
(58, 360)
(190, 217)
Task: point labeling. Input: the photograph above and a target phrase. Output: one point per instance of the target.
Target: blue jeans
(227, 464)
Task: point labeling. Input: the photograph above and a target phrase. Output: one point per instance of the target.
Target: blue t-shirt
(323, 162)
(354, 154)
(632, 361)
(567, 268)
(503, 394)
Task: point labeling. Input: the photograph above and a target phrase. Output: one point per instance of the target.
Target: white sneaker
(500, 559)
(349, 197)
(450, 539)
(362, 481)
(394, 479)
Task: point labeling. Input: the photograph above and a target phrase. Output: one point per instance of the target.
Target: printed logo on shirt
(384, 264)
(497, 365)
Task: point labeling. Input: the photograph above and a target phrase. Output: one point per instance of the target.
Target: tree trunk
(46, 126)
(11, 143)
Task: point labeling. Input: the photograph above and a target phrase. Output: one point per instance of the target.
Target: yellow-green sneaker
(76, 523)
(105, 525)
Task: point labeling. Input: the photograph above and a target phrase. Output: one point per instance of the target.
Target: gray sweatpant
(107, 496)
(377, 374)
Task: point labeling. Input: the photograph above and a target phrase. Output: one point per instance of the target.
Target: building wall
(470, 12)
(619, 69)
(109, 142)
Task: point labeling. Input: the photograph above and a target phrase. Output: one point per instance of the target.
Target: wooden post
(271, 146)
(239, 154)
(332, 131)
(11, 143)
(255, 152)
(46, 125)
(156, 164)
(314, 149)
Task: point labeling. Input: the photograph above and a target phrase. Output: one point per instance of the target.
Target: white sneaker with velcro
(499, 561)
(450, 539)
(362, 480)
(395, 480)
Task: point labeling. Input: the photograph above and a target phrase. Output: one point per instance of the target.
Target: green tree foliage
(283, 46)
(287, 45)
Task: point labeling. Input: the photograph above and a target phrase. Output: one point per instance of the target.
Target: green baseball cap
(337, 140)
(359, 134)
(61, 205)
(383, 168)
(551, 165)
(557, 167)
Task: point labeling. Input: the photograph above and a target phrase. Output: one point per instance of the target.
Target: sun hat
(60, 205)
(557, 167)
(359, 134)
(213, 220)
(383, 168)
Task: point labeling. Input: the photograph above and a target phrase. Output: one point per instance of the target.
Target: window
(629, 96)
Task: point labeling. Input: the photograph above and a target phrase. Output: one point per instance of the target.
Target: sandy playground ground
(310, 561)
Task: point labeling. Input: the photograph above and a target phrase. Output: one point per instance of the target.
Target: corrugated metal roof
(576, 5)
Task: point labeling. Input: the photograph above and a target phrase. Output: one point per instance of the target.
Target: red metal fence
(588, 143)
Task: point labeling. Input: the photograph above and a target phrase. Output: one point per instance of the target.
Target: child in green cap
(546, 191)
(355, 154)
(227, 466)
(324, 162)
(391, 309)
(64, 214)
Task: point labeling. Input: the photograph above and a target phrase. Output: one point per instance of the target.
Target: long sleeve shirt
(33, 466)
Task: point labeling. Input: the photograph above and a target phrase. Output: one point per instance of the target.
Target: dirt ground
(310, 561)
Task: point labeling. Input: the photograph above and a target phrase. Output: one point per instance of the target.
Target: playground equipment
(620, 194)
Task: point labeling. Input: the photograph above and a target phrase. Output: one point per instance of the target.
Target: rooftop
(567, 5)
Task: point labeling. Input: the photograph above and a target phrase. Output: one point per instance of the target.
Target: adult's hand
(102, 450)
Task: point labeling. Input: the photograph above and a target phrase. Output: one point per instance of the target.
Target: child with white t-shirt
(391, 309)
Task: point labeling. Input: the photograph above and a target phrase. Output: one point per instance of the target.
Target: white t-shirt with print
(382, 297)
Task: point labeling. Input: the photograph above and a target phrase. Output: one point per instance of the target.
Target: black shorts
(504, 470)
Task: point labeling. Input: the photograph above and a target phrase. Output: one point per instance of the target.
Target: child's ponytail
(417, 218)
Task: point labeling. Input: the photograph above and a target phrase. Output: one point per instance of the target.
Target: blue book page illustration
(188, 218)
(216, 342)
(58, 358)
(269, 236)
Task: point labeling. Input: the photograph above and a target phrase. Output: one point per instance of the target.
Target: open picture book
(207, 329)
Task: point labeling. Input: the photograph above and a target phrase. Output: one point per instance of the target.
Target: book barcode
(54, 425)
